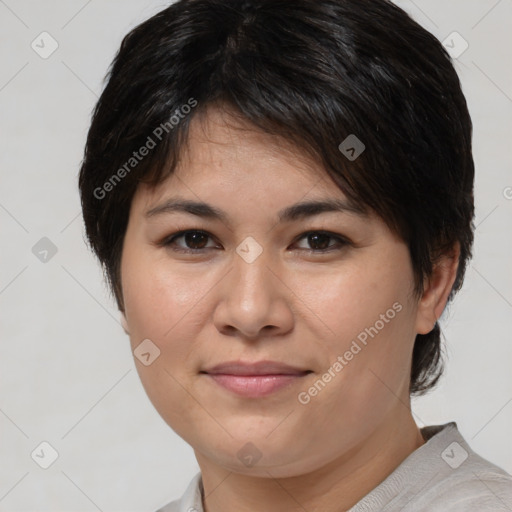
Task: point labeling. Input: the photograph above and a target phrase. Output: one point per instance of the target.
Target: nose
(254, 301)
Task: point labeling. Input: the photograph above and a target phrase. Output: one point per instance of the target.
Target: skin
(288, 305)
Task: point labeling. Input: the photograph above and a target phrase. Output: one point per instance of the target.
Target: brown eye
(195, 239)
(320, 241)
(192, 240)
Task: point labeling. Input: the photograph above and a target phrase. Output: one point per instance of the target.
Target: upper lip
(255, 368)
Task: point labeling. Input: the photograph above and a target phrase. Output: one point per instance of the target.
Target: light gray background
(66, 372)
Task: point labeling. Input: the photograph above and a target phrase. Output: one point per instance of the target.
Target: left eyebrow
(291, 213)
(311, 208)
(193, 207)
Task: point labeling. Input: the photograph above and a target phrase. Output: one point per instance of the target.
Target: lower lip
(254, 386)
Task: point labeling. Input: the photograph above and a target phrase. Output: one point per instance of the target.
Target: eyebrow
(291, 213)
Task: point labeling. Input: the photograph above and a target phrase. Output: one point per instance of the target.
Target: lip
(255, 368)
(254, 380)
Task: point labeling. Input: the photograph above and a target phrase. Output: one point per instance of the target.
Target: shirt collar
(192, 499)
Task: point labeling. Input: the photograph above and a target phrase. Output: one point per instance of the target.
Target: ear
(124, 323)
(437, 288)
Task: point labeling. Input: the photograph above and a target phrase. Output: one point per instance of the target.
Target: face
(249, 276)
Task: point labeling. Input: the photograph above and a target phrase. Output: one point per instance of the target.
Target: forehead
(220, 129)
(225, 153)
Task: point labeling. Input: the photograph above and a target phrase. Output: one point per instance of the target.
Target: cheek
(352, 298)
(158, 297)
(368, 313)
(164, 306)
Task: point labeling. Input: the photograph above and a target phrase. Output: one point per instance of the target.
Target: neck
(334, 487)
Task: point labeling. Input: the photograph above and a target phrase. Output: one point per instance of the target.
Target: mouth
(255, 380)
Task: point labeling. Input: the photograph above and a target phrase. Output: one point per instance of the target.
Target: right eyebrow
(291, 213)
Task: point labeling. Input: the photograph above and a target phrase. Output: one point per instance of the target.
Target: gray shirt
(443, 475)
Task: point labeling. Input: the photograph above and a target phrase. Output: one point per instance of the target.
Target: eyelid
(331, 234)
(342, 241)
(169, 240)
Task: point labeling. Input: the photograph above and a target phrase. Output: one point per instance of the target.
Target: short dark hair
(312, 72)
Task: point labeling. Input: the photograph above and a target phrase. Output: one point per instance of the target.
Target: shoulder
(483, 493)
(461, 479)
(476, 485)
(443, 475)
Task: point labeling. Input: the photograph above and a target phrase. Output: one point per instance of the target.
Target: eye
(321, 241)
(194, 240)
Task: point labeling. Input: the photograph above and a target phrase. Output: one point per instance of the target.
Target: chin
(256, 454)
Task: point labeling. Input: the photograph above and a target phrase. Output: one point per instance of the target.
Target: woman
(281, 194)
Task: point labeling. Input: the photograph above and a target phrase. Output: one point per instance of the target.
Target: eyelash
(169, 241)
